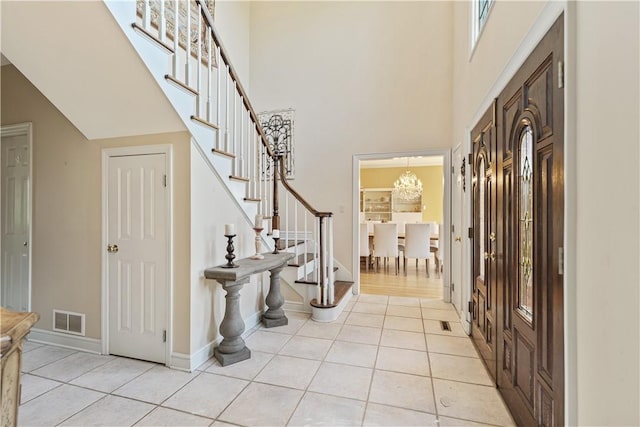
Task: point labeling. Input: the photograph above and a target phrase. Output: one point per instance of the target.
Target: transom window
(479, 15)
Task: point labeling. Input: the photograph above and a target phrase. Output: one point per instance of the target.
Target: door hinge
(453, 287)
(561, 261)
(560, 74)
(453, 228)
(164, 336)
(470, 307)
(453, 170)
(164, 180)
(470, 160)
(471, 232)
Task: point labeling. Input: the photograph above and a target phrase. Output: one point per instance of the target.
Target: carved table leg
(275, 314)
(232, 349)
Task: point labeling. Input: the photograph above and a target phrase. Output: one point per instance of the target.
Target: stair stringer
(157, 61)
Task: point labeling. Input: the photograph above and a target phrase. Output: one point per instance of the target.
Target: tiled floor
(385, 362)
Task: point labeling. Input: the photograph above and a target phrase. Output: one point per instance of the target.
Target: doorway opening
(379, 198)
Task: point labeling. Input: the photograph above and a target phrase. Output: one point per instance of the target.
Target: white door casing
(137, 254)
(457, 252)
(15, 241)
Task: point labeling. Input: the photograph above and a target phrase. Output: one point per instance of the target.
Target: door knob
(491, 256)
(24, 244)
(458, 239)
(112, 249)
(492, 236)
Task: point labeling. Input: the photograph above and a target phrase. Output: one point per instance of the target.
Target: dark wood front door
(529, 227)
(483, 310)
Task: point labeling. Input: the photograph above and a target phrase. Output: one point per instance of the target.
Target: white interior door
(16, 208)
(457, 252)
(137, 256)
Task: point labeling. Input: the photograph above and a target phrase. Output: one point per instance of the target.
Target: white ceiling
(396, 162)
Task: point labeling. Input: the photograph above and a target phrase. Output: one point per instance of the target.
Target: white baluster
(306, 241)
(176, 23)
(187, 65)
(146, 13)
(227, 113)
(199, 63)
(219, 92)
(316, 253)
(209, 79)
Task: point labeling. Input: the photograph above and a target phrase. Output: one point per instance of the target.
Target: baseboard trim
(73, 342)
(300, 307)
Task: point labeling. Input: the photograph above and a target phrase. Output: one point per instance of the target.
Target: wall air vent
(68, 322)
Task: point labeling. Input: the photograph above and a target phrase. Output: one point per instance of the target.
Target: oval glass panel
(525, 285)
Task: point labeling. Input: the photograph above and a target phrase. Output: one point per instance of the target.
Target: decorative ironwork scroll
(278, 127)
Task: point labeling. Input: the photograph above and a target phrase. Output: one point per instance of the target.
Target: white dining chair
(365, 248)
(439, 254)
(417, 244)
(385, 243)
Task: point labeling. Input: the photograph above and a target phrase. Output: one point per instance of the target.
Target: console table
(232, 349)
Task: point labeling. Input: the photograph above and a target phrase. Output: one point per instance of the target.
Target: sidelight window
(479, 14)
(525, 285)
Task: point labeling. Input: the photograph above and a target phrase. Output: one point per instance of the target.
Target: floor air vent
(68, 322)
(445, 325)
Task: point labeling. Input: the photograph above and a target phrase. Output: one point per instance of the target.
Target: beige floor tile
(402, 360)
(294, 324)
(161, 417)
(72, 366)
(434, 314)
(375, 299)
(458, 368)
(110, 411)
(435, 327)
(405, 301)
(341, 318)
(349, 305)
(458, 346)
(365, 319)
(403, 324)
(322, 410)
(42, 356)
(382, 415)
(404, 311)
(56, 405)
(267, 342)
(403, 339)
(471, 402)
(359, 334)
(207, 395)
(328, 331)
(436, 304)
(27, 346)
(342, 380)
(298, 315)
(308, 348)
(402, 390)
(155, 385)
(246, 370)
(289, 372)
(262, 405)
(353, 354)
(457, 422)
(367, 307)
(32, 387)
(112, 375)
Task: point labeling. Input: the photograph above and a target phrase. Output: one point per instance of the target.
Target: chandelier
(407, 186)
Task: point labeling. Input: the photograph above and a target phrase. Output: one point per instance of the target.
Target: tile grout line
(433, 388)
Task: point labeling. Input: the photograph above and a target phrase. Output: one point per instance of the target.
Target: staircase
(181, 48)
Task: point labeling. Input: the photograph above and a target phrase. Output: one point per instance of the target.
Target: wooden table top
(14, 325)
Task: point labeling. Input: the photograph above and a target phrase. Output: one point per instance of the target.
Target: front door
(484, 293)
(137, 256)
(16, 209)
(530, 229)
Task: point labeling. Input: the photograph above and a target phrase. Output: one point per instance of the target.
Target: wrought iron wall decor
(169, 8)
(278, 127)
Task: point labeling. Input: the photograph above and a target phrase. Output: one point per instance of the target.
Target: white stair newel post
(187, 50)
(176, 24)
(316, 252)
(330, 259)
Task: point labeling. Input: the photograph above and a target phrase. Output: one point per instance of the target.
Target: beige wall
(363, 77)
(432, 184)
(607, 194)
(67, 186)
(232, 21)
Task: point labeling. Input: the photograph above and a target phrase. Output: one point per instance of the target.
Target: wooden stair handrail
(252, 113)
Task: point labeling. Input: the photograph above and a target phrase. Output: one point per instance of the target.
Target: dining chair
(385, 243)
(365, 248)
(370, 224)
(417, 244)
(439, 254)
